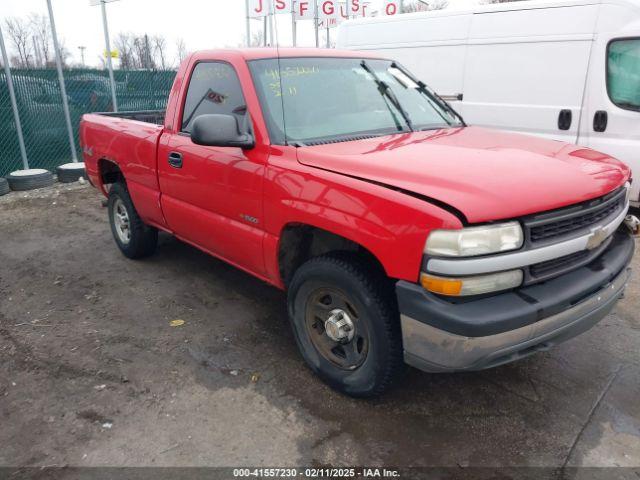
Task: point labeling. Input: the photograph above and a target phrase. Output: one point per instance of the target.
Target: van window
(214, 88)
(623, 73)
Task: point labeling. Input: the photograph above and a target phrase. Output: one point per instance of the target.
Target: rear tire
(369, 362)
(134, 238)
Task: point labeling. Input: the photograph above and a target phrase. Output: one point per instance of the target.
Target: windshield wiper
(386, 91)
(422, 87)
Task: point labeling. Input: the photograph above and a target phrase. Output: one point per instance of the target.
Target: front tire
(346, 324)
(134, 238)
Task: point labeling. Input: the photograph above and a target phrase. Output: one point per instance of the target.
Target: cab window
(214, 88)
(623, 73)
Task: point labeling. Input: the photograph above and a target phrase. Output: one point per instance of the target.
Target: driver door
(212, 196)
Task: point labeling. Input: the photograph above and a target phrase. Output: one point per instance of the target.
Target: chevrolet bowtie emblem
(598, 236)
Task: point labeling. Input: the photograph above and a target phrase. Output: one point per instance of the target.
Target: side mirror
(220, 131)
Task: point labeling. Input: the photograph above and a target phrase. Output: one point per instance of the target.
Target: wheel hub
(339, 326)
(121, 221)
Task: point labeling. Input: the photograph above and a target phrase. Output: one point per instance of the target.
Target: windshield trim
(283, 140)
(622, 106)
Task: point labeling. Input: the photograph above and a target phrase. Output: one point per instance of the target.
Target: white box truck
(566, 70)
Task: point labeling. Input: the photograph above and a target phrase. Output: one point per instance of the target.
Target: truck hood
(485, 174)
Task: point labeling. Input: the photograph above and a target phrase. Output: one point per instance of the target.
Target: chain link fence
(41, 112)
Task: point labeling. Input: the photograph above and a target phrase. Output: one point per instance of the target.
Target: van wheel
(346, 324)
(133, 237)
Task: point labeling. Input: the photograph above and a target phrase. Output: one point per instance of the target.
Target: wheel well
(299, 243)
(109, 172)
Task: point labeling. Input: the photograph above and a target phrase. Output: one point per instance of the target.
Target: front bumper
(439, 335)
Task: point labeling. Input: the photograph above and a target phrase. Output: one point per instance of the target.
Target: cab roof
(272, 52)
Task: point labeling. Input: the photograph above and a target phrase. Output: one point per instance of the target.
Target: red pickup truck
(400, 234)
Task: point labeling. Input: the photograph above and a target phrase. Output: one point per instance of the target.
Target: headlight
(477, 285)
(468, 242)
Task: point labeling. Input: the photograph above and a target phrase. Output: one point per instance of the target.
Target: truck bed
(128, 140)
(148, 116)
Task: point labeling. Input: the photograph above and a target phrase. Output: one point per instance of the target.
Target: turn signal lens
(440, 285)
(459, 287)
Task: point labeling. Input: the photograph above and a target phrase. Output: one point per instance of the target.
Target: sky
(202, 24)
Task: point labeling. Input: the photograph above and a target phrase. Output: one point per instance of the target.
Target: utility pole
(107, 46)
(63, 90)
(248, 22)
(82, 49)
(14, 103)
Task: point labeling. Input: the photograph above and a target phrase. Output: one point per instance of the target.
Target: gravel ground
(92, 373)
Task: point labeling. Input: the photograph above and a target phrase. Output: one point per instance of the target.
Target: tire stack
(4, 187)
(29, 179)
(71, 172)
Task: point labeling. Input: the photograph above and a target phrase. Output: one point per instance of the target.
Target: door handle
(175, 159)
(564, 119)
(600, 120)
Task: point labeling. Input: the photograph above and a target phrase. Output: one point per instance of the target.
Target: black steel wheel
(334, 328)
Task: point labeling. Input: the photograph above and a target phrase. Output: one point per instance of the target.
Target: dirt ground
(92, 373)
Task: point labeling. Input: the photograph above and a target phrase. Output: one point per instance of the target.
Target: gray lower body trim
(434, 350)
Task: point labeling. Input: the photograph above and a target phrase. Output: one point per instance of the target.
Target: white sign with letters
(259, 8)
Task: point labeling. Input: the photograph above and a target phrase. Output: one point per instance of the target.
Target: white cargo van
(566, 70)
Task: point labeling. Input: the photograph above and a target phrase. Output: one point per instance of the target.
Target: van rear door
(526, 69)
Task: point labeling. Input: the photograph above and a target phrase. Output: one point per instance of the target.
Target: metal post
(63, 90)
(248, 25)
(82, 49)
(14, 103)
(264, 28)
(315, 20)
(294, 32)
(328, 37)
(107, 45)
(272, 35)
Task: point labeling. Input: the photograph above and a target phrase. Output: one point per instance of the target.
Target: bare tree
(20, 37)
(144, 51)
(160, 51)
(181, 47)
(124, 45)
(425, 5)
(40, 30)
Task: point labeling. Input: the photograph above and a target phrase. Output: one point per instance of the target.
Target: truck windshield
(308, 100)
(623, 73)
